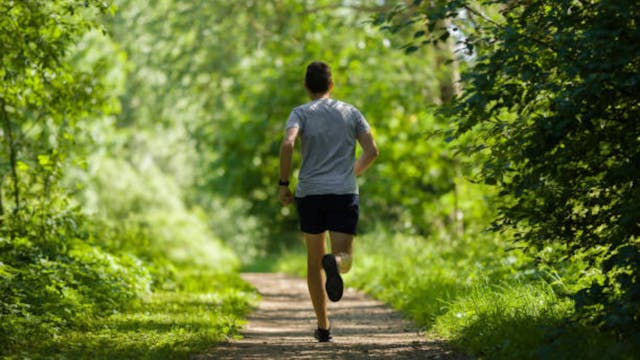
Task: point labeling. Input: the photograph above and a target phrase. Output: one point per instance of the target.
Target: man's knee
(345, 262)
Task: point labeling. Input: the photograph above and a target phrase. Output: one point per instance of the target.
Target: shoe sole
(334, 284)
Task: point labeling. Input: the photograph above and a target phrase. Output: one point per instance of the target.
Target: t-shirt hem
(302, 193)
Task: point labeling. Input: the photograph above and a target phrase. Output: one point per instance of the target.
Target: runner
(326, 196)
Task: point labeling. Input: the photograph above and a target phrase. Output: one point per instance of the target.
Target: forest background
(139, 163)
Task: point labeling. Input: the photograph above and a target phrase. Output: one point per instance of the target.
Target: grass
(203, 309)
(524, 320)
(487, 300)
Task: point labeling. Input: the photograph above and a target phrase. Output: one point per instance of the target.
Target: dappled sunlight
(283, 323)
(164, 325)
(139, 165)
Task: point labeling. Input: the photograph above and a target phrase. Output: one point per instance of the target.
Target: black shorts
(318, 213)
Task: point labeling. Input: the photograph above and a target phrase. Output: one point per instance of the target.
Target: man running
(327, 193)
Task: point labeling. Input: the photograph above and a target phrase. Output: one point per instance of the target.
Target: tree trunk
(1, 203)
(448, 72)
(12, 154)
(449, 86)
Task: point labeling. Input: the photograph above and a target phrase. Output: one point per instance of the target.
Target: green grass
(523, 321)
(486, 299)
(204, 308)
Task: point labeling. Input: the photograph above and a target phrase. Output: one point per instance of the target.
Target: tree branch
(502, 27)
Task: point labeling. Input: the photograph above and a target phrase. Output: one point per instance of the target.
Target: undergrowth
(205, 307)
(138, 274)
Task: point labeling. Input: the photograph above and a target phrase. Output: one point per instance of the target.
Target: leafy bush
(137, 196)
(55, 279)
(245, 234)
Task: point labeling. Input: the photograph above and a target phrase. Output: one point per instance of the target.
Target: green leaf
(21, 166)
(44, 160)
(411, 49)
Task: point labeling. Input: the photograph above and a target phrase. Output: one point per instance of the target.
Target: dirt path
(363, 328)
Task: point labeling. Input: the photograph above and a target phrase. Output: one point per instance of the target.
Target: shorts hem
(354, 233)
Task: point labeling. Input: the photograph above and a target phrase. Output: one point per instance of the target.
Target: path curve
(282, 327)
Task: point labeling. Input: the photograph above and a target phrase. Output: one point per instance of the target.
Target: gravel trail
(362, 328)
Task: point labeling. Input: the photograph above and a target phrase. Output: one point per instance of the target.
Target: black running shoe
(334, 285)
(322, 335)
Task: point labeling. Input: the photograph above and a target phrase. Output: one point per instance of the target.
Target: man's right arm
(286, 153)
(369, 152)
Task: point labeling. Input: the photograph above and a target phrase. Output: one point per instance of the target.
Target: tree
(41, 96)
(552, 99)
(50, 276)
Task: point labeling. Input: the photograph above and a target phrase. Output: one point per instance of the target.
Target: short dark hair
(318, 77)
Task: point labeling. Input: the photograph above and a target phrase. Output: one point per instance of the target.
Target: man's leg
(342, 249)
(315, 277)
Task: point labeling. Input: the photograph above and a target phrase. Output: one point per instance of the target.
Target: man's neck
(319, 96)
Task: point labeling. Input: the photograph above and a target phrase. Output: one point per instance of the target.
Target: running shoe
(334, 285)
(322, 335)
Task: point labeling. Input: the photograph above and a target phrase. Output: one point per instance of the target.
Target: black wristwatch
(283, 183)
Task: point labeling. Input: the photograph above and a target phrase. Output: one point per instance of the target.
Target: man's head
(318, 78)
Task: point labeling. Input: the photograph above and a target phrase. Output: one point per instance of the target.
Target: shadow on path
(363, 328)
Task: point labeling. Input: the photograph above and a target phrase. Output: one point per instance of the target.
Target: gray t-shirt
(328, 132)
